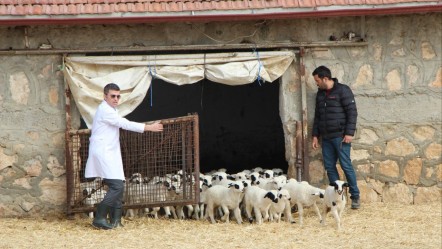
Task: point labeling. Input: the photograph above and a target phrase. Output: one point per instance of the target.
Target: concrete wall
(396, 78)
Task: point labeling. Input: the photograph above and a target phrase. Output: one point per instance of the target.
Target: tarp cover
(87, 75)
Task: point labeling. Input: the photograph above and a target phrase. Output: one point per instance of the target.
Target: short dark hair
(111, 86)
(322, 71)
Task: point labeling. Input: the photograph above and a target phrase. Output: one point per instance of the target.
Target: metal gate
(155, 163)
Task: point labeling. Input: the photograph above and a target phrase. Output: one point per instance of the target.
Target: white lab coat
(104, 148)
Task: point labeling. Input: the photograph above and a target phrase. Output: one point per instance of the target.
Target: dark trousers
(332, 150)
(114, 195)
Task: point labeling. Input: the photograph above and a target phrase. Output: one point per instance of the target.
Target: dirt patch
(375, 225)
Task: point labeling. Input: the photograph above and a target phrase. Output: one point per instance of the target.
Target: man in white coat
(105, 155)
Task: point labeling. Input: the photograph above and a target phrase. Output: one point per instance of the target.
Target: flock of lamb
(258, 195)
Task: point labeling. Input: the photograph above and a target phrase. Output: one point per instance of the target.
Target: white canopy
(87, 75)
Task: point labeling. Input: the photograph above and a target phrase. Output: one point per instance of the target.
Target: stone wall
(32, 171)
(396, 78)
(397, 82)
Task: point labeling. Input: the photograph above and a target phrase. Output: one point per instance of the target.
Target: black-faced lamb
(259, 200)
(334, 201)
(277, 209)
(228, 198)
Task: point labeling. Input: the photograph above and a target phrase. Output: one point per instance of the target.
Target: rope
(202, 83)
(259, 79)
(151, 82)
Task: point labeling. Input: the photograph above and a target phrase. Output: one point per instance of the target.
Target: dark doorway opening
(240, 126)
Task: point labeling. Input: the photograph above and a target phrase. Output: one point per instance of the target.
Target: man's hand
(155, 127)
(315, 143)
(347, 139)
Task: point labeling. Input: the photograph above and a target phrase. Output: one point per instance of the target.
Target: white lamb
(220, 178)
(92, 196)
(268, 173)
(277, 171)
(259, 200)
(254, 178)
(274, 183)
(303, 195)
(137, 191)
(228, 198)
(240, 176)
(334, 201)
(277, 209)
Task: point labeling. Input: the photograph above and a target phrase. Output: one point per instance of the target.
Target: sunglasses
(115, 96)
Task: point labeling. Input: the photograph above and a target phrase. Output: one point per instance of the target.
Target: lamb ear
(267, 195)
(345, 184)
(333, 184)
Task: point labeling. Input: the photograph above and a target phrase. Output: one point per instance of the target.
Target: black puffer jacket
(335, 114)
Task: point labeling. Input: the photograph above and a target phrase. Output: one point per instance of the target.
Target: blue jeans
(332, 150)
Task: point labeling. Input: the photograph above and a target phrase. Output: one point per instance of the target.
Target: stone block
(413, 74)
(26, 206)
(19, 88)
(368, 136)
(8, 211)
(439, 173)
(389, 168)
(377, 51)
(438, 80)
(398, 53)
(53, 96)
(397, 193)
(364, 169)
(6, 160)
(393, 80)
(23, 182)
(33, 167)
(53, 192)
(33, 135)
(428, 194)
(316, 171)
(423, 133)
(412, 171)
(427, 51)
(399, 147)
(357, 155)
(367, 193)
(376, 185)
(54, 166)
(433, 151)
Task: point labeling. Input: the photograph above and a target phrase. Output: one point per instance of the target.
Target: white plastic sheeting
(87, 75)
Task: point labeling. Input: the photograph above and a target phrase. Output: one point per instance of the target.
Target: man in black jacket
(335, 123)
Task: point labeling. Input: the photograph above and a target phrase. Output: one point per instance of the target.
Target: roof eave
(205, 16)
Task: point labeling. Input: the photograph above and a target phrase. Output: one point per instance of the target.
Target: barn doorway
(240, 126)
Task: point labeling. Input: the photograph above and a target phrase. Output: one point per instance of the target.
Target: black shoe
(100, 220)
(115, 217)
(355, 203)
